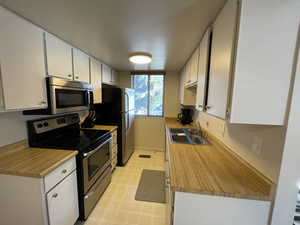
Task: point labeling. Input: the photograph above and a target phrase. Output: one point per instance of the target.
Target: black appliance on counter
(117, 108)
(186, 116)
(93, 160)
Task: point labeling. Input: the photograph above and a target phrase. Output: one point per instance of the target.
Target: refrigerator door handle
(127, 124)
(127, 102)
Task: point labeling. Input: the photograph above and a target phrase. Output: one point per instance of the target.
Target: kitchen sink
(180, 138)
(187, 136)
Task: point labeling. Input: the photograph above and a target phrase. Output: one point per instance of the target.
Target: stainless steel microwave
(65, 96)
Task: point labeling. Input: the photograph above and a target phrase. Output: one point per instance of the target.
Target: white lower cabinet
(191, 209)
(63, 203)
(35, 203)
(114, 150)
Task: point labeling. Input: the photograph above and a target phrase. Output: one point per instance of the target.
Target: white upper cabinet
(114, 77)
(96, 80)
(203, 67)
(222, 51)
(59, 57)
(264, 60)
(186, 96)
(81, 66)
(252, 61)
(106, 74)
(187, 72)
(194, 67)
(22, 64)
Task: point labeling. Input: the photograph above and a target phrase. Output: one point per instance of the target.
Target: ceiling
(112, 29)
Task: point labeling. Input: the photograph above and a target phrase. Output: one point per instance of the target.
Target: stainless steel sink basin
(187, 136)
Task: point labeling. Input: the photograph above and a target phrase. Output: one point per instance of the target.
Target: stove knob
(46, 124)
(39, 125)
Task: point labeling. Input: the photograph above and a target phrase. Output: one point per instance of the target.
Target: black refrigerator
(117, 108)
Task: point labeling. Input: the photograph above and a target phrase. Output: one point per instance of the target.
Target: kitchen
(229, 70)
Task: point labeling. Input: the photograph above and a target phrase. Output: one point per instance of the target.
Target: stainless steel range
(93, 160)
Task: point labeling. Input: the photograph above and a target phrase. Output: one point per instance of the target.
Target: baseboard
(139, 148)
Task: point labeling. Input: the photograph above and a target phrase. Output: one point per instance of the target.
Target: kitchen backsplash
(260, 145)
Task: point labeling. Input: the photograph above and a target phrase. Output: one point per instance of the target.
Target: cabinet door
(106, 74)
(203, 67)
(194, 67)
(59, 57)
(264, 61)
(81, 66)
(63, 202)
(114, 77)
(187, 72)
(187, 96)
(22, 63)
(96, 80)
(223, 41)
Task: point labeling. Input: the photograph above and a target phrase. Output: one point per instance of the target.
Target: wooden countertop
(20, 160)
(111, 128)
(214, 170)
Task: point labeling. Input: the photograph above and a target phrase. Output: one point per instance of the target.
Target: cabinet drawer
(114, 138)
(59, 173)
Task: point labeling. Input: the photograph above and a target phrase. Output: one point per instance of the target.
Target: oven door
(66, 99)
(95, 162)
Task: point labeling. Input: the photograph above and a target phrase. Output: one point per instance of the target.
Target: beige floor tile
(117, 206)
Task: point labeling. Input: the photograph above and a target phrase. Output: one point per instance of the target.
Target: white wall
(149, 131)
(12, 128)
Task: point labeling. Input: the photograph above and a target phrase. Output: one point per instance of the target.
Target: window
(149, 95)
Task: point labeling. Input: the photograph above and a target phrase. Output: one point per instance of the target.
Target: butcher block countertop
(214, 170)
(20, 160)
(104, 127)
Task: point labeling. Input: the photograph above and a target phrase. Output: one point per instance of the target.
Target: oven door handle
(96, 149)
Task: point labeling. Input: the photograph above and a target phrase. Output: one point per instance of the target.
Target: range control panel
(52, 123)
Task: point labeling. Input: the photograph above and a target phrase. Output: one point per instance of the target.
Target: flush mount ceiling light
(140, 58)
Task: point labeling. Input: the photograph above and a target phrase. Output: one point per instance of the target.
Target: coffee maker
(186, 116)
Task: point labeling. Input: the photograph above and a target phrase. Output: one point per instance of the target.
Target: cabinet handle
(76, 77)
(64, 171)
(55, 195)
(43, 102)
(69, 75)
(208, 107)
(200, 106)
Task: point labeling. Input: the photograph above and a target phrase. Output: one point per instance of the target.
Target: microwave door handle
(127, 124)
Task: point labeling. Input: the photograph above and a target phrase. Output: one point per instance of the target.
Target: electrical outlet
(257, 145)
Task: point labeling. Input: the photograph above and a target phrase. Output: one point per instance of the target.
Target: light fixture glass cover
(140, 58)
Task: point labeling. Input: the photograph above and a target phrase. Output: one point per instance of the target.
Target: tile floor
(117, 206)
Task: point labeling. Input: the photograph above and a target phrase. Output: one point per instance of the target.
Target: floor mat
(151, 187)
